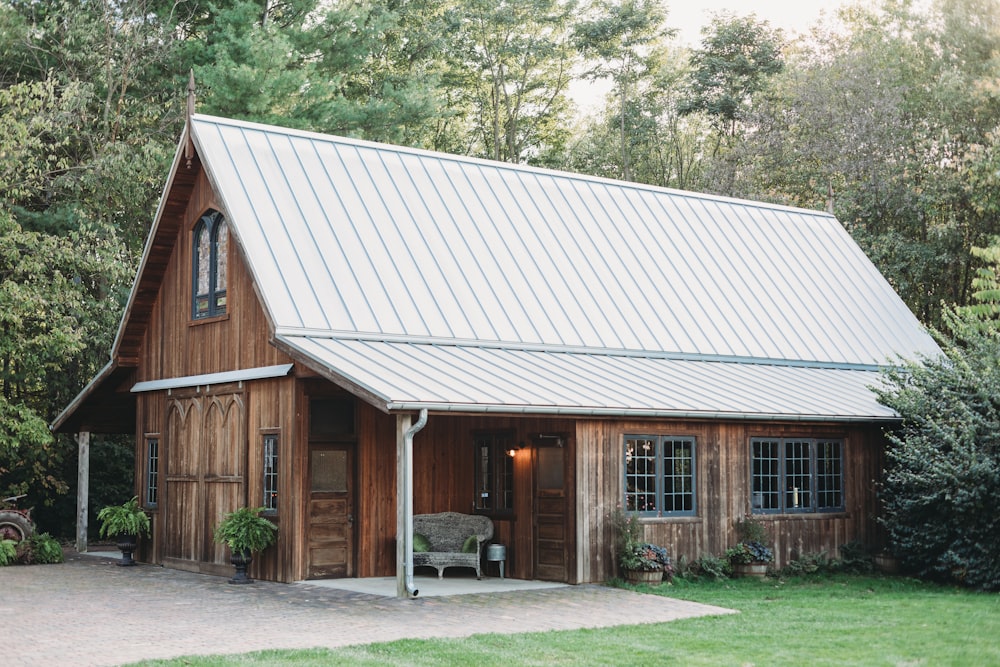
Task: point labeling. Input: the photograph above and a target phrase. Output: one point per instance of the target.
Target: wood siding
(211, 438)
(211, 453)
(722, 491)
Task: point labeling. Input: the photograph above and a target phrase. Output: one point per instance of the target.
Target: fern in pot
(246, 532)
(125, 523)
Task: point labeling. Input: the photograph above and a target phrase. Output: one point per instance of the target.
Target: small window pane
(550, 467)
(798, 475)
(329, 471)
(152, 471)
(640, 474)
(829, 475)
(678, 475)
(766, 475)
(494, 472)
(271, 472)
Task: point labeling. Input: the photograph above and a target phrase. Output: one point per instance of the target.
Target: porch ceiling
(472, 378)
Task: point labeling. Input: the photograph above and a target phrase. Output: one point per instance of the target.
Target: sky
(789, 15)
(688, 17)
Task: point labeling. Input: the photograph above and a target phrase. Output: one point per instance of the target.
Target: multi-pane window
(796, 475)
(152, 471)
(494, 472)
(271, 472)
(211, 250)
(659, 475)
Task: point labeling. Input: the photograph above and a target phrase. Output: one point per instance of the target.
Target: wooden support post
(404, 494)
(82, 489)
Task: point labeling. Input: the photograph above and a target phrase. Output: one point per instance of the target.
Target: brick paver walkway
(78, 612)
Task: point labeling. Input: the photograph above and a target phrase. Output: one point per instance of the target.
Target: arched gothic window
(211, 250)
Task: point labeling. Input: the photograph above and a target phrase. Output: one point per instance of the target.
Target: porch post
(82, 489)
(404, 497)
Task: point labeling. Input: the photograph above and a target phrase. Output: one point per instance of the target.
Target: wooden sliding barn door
(205, 469)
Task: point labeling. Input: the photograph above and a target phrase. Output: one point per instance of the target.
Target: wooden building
(347, 333)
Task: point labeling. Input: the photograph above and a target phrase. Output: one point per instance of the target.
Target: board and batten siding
(224, 461)
(722, 492)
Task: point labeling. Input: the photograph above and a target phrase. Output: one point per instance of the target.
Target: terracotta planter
(758, 570)
(650, 577)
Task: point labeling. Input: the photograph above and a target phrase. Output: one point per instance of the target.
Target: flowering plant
(633, 554)
(648, 557)
(749, 552)
(751, 547)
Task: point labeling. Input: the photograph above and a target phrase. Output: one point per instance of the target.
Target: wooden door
(331, 511)
(553, 520)
(204, 476)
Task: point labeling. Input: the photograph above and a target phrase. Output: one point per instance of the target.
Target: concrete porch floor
(456, 581)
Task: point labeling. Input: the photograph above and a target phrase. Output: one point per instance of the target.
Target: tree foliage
(943, 473)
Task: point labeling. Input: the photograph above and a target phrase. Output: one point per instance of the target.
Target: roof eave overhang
(616, 412)
(103, 406)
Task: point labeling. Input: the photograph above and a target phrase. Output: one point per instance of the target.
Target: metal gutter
(260, 373)
(624, 412)
(411, 590)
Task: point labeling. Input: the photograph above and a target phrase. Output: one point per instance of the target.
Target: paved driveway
(78, 612)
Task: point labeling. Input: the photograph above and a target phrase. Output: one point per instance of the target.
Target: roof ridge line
(404, 339)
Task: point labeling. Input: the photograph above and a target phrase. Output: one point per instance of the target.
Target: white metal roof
(431, 279)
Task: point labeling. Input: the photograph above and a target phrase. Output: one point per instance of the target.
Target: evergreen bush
(943, 463)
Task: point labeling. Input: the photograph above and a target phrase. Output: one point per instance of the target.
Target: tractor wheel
(15, 526)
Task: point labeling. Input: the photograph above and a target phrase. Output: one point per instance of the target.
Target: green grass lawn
(838, 620)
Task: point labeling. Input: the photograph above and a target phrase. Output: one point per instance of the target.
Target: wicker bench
(447, 533)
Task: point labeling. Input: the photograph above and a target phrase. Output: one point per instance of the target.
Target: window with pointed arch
(211, 250)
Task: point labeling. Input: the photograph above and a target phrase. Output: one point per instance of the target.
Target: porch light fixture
(512, 452)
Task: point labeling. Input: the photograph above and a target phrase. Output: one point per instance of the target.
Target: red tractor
(15, 524)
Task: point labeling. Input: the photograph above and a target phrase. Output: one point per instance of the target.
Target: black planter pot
(241, 561)
(126, 544)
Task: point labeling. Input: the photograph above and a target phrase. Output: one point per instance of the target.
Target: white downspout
(408, 498)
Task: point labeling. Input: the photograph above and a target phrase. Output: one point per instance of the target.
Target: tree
(943, 473)
(618, 38)
(513, 61)
(737, 57)
(663, 147)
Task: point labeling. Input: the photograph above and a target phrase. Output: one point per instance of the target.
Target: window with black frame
(659, 475)
(209, 266)
(152, 471)
(494, 472)
(791, 475)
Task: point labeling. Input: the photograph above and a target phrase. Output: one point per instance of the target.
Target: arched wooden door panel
(205, 463)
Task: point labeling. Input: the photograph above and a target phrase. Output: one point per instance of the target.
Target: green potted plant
(125, 523)
(639, 561)
(246, 532)
(750, 556)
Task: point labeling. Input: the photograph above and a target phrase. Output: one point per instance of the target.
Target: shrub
(8, 552)
(817, 563)
(40, 548)
(706, 566)
(855, 558)
(943, 464)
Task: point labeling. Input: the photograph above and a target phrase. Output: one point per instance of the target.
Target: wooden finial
(189, 149)
(829, 198)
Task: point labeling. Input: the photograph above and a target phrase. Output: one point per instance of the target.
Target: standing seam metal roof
(368, 256)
